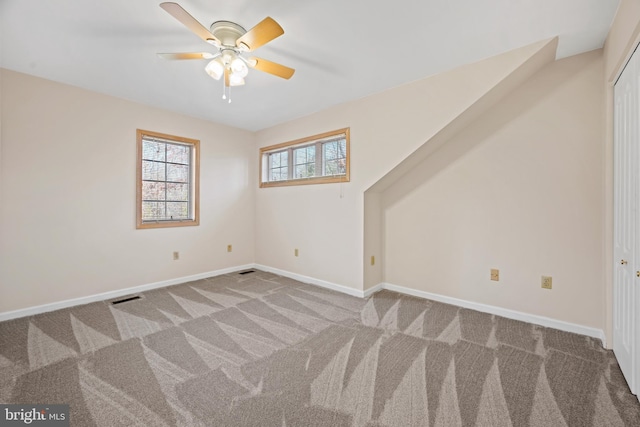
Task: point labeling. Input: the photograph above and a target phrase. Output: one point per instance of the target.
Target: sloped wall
(520, 189)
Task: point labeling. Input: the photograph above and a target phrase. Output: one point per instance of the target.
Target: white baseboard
(504, 312)
(373, 290)
(510, 314)
(30, 311)
(306, 279)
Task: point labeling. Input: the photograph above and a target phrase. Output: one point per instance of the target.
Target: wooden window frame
(290, 146)
(194, 195)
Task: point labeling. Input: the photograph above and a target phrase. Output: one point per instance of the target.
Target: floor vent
(247, 272)
(120, 301)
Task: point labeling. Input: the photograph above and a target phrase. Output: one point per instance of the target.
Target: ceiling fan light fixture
(239, 68)
(236, 80)
(215, 69)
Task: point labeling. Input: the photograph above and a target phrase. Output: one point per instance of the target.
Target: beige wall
(67, 186)
(326, 222)
(623, 38)
(519, 190)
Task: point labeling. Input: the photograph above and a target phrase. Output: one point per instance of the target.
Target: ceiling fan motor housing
(227, 32)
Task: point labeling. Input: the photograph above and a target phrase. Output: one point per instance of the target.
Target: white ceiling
(341, 49)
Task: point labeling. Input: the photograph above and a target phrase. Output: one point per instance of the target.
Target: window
(317, 159)
(167, 180)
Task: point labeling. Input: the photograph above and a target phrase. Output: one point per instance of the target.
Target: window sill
(167, 224)
(306, 181)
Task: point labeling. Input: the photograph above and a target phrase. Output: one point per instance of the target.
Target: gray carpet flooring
(264, 350)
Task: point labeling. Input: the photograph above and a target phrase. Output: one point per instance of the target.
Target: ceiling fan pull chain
(229, 94)
(224, 90)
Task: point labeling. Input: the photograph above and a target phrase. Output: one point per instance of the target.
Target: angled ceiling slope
(493, 78)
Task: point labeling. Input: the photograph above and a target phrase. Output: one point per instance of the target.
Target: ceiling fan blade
(175, 10)
(261, 34)
(226, 77)
(192, 55)
(271, 68)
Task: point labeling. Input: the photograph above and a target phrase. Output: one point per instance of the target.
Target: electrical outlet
(373, 260)
(495, 274)
(295, 252)
(546, 282)
(176, 256)
(229, 248)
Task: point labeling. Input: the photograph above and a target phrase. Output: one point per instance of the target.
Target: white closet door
(626, 283)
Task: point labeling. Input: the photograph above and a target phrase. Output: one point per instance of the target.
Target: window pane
(278, 166)
(307, 170)
(177, 173)
(304, 162)
(178, 153)
(283, 159)
(335, 167)
(153, 150)
(330, 151)
(275, 160)
(177, 210)
(335, 157)
(152, 211)
(178, 192)
(279, 174)
(153, 190)
(305, 155)
(153, 171)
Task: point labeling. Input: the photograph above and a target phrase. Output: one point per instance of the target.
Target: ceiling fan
(232, 42)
